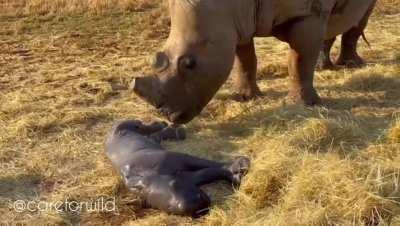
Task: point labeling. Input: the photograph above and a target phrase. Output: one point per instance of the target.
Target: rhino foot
(324, 64)
(321, 66)
(351, 61)
(248, 94)
(307, 97)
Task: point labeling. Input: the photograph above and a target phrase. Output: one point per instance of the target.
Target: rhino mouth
(178, 117)
(179, 112)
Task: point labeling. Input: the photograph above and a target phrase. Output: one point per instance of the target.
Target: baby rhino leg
(209, 175)
(153, 127)
(169, 133)
(206, 171)
(139, 127)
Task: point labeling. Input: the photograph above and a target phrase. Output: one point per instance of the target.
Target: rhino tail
(365, 39)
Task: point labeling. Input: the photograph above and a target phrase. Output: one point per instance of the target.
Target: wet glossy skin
(175, 195)
(168, 181)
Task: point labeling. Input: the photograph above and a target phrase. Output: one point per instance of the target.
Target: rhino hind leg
(348, 53)
(324, 61)
(245, 69)
(305, 47)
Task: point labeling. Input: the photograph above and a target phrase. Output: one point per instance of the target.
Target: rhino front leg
(305, 47)
(348, 53)
(245, 69)
(324, 61)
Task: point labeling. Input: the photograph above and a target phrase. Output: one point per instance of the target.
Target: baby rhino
(166, 180)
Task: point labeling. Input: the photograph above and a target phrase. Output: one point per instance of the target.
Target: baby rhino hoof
(239, 168)
(157, 126)
(173, 133)
(170, 133)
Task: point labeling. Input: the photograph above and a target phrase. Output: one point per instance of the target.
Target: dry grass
(63, 82)
(394, 133)
(24, 7)
(40, 7)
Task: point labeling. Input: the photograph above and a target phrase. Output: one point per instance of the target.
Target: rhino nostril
(159, 105)
(160, 61)
(187, 62)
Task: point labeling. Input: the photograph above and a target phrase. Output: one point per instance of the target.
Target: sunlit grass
(64, 75)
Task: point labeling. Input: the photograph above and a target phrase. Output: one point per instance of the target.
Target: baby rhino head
(138, 127)
(176, 196)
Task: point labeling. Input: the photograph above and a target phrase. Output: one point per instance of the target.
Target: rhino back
(287, 10)
(342, 14)
(272, 13)
(347, 14)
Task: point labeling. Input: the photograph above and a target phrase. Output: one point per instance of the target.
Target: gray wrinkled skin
(168, 181)
(209, 38)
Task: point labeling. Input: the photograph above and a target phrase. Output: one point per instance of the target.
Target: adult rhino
(208, 37)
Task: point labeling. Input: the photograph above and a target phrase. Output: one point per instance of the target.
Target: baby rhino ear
(133, 181)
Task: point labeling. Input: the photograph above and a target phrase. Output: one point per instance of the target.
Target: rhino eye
(187, 62)
(160, 61)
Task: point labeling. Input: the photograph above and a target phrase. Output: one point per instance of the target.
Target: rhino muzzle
(148, 89)
(176, 110)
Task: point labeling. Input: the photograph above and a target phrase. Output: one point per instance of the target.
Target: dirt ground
(63, 83)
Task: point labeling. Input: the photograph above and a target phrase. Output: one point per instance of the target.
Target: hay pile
(63, 82)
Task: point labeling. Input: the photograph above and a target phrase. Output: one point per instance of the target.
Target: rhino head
(195, 61)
